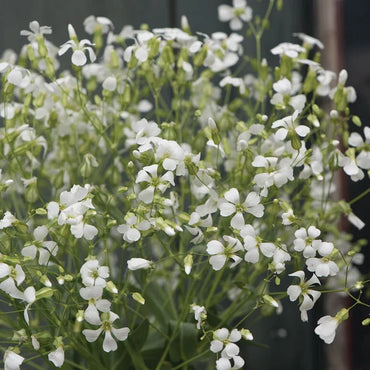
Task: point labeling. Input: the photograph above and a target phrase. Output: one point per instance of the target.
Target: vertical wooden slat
(329, 29)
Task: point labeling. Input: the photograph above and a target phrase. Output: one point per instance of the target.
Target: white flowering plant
(167, 189)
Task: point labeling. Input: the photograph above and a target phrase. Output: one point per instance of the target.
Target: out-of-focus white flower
(236, 14)
(36, 30)
(7, 220)
(16, 276)
(12, 361)
(309, 40)
(200, 314)
(44, 248)
(92, 23)
(57, 357)
(326, 328)
(288, 49)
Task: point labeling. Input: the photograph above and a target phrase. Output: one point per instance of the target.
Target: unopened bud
(188, 263)
(138, 298)
(246, 334)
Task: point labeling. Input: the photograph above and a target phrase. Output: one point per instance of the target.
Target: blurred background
(344, 27)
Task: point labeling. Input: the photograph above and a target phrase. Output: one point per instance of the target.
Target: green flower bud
(138, 298)
(44, 293)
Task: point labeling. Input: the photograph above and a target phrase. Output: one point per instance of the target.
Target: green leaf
(157, 301)
(184, 345)
(139, 335)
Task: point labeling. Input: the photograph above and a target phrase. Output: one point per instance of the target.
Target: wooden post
(328, 17)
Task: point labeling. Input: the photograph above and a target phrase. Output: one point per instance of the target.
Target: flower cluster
(153, 175)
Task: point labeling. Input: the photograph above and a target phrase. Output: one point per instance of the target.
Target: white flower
(93, 274)
(326, 328)
(279, 258)
(322, 267)
(284, 94)
(36, 30)
(57, 357)
(78, 55)
(29, 297)
(363, 146)
(200, 314)
(16, 276)
(196, 222)
(12, 360)
(225, 341)
(7, 221)
(287, 126)
(236, 14)
(110, 83)
(234, 81)
(278, 172)
(254, 245)
(141, 48)
(309, 40)
(35, 343)
(131, 229)
(44, 248)
(92, 23)
(220, 253)
(149, 175)
(170, 153)
(306, 241)
(111, 334)
(73, 206)
(350, 167)
(288, 49)
(309, 296)
(288, 217)
(231, 204)
(138, 264)
(93, 294)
